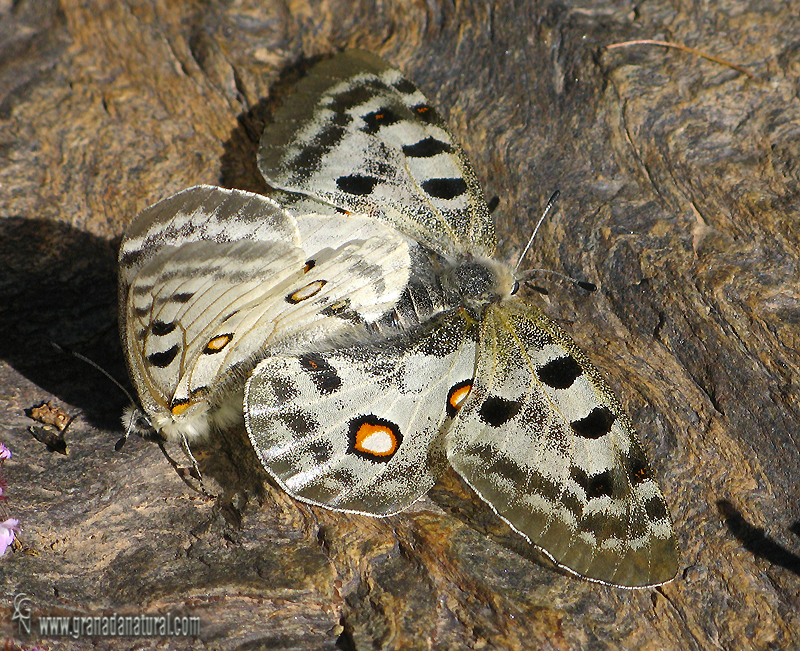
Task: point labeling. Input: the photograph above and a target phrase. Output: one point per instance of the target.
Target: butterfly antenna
(590, 287)
(96, 366)
(527, 275)
(550, 202)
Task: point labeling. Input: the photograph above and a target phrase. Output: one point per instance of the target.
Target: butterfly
(360, 325)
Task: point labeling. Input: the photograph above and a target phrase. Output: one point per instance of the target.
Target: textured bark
(679, 182)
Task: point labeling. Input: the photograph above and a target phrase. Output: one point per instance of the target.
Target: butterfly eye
(515, 287)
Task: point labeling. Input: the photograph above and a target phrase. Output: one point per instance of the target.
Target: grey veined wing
(546, 444)
(358, 135)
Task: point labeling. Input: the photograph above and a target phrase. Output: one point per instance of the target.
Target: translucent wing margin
(546, 444)
(357, 135)
(360, 428)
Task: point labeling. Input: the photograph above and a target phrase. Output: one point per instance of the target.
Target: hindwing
(361, 428)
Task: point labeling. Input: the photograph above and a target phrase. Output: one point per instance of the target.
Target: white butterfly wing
(187, 312)
(203, 213)
(546, 444)
(211, 279)
(360, 428)
(357, 135)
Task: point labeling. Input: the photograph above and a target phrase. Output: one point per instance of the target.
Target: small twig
(685, 48)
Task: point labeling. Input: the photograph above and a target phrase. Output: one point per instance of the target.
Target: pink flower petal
(8, 531)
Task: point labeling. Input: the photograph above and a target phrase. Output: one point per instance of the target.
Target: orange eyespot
(217, 343)
(179, 408)
(457, 395)
(306, 292)
(374, 438)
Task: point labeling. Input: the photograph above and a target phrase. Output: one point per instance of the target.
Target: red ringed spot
(312, 289)
(308, 266)
(375, 439)
(457, 395)
(217, 343)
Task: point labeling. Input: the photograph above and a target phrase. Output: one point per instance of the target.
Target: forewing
(201, 306)
(360, 428)
(359, 136)
(546, 444)
(203, 213)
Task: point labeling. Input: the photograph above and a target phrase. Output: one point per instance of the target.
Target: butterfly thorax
(439, 283)
(478, 281)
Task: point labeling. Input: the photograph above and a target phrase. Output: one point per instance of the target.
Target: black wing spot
(405, 86)
(141, 290)
(320, 451)
(322, 374)
(164, 358)
(380, 118)
(638, 470)
(425, 113)
(283, 388)
(445, 188)
(427, 148)
(160, 329)
(183, 297)
(357, 184)
(497, 411)
(596, 424)
(560, 373)
(599, 486)
(299, 422)
(655, 508)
